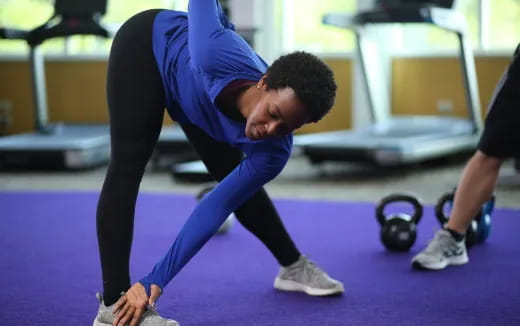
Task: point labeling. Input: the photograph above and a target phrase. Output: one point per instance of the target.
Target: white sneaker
(305, 276)
(105, 316)
(442, 251)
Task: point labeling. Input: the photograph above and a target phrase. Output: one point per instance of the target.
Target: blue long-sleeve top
(198, 53)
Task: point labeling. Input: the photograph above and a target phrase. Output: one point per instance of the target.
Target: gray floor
(300, 179)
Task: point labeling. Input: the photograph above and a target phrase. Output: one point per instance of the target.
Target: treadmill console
(80, 7)
(391, 4)
(71, 17)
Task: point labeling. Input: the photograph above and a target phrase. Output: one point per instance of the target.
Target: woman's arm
(206, 21)
(260, 166)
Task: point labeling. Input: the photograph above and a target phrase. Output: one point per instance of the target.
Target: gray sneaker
(105, 316)
(305, 276)
(441, 252)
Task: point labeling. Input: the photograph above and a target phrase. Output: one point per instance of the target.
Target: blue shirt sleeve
(206, 23)
(264, 161)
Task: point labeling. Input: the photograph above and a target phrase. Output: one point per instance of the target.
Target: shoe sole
(458, 261)
(97, 323)
(287, 285)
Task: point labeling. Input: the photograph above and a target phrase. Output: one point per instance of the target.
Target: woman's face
(277, 112)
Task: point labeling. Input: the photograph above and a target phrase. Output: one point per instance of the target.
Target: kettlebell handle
(439, 208)
(399, 197)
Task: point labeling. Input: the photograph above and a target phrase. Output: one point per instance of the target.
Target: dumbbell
(229, 220)
(398, 230)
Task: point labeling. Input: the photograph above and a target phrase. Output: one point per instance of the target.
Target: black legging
(136, 102)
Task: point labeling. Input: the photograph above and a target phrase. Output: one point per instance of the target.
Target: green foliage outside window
(22, 14)
(309, 31)
(304, 24)
(28, 14)
(504, 23)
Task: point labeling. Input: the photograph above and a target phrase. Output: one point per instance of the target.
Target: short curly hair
(310, 78)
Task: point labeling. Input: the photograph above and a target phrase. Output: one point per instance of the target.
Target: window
(14, 15)
(492, 25)
(504, 23)
(441, 39)
(495, 28)
(302, 26)
(180, 5)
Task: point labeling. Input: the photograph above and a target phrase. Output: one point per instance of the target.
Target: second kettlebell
(399, 230)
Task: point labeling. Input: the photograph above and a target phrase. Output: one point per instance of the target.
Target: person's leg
(475, 188)
(136, 102)
(500, 140)
(258, 214)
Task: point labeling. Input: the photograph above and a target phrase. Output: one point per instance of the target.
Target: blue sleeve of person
(264, 160)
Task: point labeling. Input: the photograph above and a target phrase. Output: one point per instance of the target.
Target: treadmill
(58, 145)
(399, 140)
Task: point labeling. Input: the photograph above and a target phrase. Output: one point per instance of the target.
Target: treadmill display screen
(400, 3)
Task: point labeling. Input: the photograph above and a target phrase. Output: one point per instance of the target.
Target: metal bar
(39, 88)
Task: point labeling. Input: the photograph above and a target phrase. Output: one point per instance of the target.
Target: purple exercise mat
(49, 267)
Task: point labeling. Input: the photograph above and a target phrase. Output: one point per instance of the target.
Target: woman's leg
(136, 103)
(258, 214)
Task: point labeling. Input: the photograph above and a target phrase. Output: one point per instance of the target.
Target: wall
(339, 116)
(76, 89)
(431, 86)
(76, 92)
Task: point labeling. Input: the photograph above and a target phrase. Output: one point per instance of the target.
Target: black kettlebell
(471, 235)
(229, 220)
(399, 231)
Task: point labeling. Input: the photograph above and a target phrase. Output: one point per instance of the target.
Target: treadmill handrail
(66, 26)
(13, 34)
(448, 19)
(57, 26)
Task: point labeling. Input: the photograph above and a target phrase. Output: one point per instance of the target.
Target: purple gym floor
(49, 267)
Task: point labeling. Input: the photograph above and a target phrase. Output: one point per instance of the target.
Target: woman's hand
(131, 307)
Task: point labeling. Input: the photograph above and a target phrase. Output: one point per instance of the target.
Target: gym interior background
(419, 63)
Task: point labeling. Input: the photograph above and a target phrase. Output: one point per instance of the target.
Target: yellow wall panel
(15, 88)
(489, 71)
(339, 116)
(422, 85)
(76, 90)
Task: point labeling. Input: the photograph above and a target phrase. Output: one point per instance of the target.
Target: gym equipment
(172, 148)
(398, 230)
(484, 220)
(391, 141)
(191, 171)
(479, 228)
(228, 223)
(59, 145)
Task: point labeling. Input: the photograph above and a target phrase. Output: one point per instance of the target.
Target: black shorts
(501, 136)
